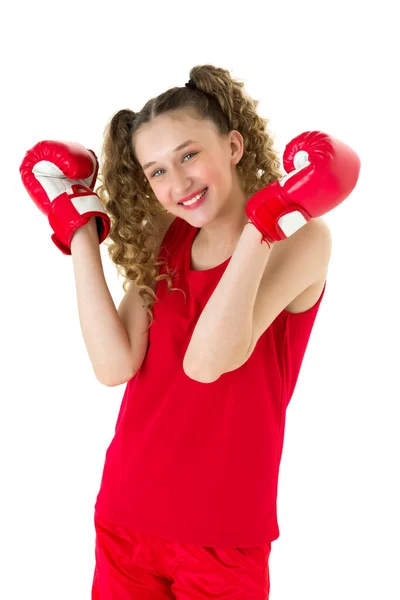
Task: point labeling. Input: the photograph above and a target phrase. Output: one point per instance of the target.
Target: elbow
(114, 383)
(112, 380)
(199, 378)
(198, 375)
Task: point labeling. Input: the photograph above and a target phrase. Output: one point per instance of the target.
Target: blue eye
(189, 154)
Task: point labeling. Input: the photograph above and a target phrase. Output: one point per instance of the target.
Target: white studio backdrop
(66, 70)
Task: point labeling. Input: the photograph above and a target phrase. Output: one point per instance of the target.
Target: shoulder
(315, 231)
(319, 235)
(313, 240)
(166, 219)
(307, 251)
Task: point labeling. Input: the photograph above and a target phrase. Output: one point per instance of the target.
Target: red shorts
(137, 566)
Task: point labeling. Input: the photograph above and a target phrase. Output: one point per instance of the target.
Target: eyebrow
(180, 147)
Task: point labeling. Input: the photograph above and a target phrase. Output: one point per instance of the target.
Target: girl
(187, 504)
(209, 336)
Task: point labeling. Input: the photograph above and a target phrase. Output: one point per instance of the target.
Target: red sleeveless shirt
(193, 462)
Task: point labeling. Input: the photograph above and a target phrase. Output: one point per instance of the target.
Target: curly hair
(126, 193)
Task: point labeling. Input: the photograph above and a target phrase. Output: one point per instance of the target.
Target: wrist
(255, 231)
(87, 232)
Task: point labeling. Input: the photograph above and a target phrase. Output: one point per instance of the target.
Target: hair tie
(191, 84)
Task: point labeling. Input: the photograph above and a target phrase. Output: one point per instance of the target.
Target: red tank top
(192, 462)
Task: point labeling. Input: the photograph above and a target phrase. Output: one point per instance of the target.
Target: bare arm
(105, 336)
(252, 292)
(223, 331)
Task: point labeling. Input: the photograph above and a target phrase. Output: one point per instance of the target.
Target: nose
(181, 185)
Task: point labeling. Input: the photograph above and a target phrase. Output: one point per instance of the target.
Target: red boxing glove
(322, 172)
(60, 177)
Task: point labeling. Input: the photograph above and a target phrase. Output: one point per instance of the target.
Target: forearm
(223, 332)
(105, 337)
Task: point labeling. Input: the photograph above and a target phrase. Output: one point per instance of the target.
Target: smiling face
(182, 155)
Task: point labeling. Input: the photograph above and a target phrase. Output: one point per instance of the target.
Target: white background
(67, 67)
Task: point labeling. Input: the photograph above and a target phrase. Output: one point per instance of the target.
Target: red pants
(137, 566)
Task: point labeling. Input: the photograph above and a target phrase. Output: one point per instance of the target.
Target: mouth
(195, 200)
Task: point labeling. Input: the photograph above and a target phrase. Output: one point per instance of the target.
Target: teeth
(195, 199)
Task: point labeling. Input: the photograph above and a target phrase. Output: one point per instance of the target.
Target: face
(208, 161)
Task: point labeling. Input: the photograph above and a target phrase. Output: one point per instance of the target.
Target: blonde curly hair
(126, 193)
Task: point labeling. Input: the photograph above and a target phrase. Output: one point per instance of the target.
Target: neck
(222, 232)
(225, 230)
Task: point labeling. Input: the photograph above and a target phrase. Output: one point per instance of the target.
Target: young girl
(187, 502)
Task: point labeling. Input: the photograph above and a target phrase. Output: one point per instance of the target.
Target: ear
(236, 146)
